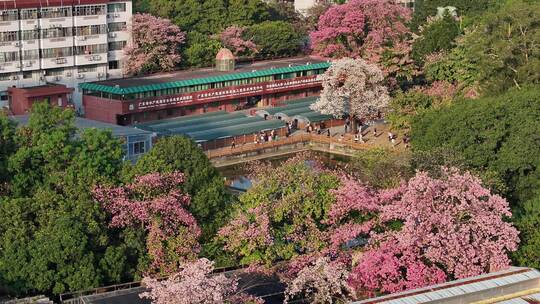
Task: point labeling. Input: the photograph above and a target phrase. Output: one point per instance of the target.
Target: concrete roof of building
(204, 76)
(83, 124)
(18, 4)
(517, 285)
(43, 90)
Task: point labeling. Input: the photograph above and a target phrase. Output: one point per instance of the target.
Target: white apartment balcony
(32, 44)
(12, 46)
(91, 39)
(58, 62)
(119, 36)
(57, 42)
(30, 65)
(89, 20)
(29, 24)
(91, 59)
(56, 22)
(10, 67)
(119, 17)
(9, 26)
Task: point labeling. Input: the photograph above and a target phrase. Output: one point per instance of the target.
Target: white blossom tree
(352, 87)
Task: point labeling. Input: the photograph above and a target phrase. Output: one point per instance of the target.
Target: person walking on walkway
(233, 144)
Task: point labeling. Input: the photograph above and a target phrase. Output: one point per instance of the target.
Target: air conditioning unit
(81, 38)
(116, 15)
(112, 35)
(80, 76)
(18, 44)
(18, 65)
(57, 78)
(28, 64)
(96, 57)
(91, 58)
(68, 74)
(14, 77)
(100, 75)
(42, 78)
(36, 26)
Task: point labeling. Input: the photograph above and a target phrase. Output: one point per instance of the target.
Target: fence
(302, 138)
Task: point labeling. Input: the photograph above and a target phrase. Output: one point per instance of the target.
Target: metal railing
(302, 138)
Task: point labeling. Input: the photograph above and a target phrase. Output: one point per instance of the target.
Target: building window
(90, 10)
(117, 26)
(9, 15)
(138, 148)
(87, 68)
(6, 76)
(57, 32)
(29, 13)
(56, 12)
(57, 52)
(91, 30)
(116, 7)
(9, 36)
(9, 56)
(114, 65)
(54, 72)
(90, 49)
(117, 45)
(30, 54)
(30, 35)
(27, 75)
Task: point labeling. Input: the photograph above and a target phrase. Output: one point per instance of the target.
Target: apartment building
(61, 41)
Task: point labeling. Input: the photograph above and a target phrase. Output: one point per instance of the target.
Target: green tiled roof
(200, 81)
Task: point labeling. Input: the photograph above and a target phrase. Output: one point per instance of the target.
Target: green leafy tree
(426, 8)
(210, 198)
(201, 50)
(405, 106)
(382, 168)
(247, 12)
(7, 148)
(436, 36)
(281, 216)
(527, 221)
(454, 67)
(53, 236)
(275, 38)
(498, 134)
(505, 45)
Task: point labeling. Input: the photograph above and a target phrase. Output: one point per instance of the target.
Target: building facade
(20, 100)
(141, 99)
(61, 41)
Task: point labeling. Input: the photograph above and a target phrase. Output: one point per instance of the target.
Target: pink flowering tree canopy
(154, 203)
(195, 283)
(321, 282)
(352, 87)
(155, 46)
(375, 30)
(232, 38)
(428, 230)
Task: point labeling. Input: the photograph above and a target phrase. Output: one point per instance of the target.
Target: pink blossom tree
(388, 268)
(155, 47)
(321, 282)
(454, 221)
(375, 30)
(194, 283)
(232, 38)
(353, 87)
(428, 230)
(154, 203)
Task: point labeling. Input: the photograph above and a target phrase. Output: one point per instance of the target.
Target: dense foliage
(209, 198)
(53, 236)
(504, 45)
(436, 35)
(499, 134)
